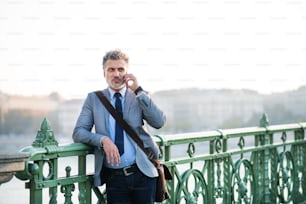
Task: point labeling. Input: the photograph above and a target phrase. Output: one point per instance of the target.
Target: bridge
(263, 164)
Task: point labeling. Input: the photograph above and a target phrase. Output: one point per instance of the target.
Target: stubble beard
(116, 86)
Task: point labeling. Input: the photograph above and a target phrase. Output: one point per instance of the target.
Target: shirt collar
(112, 92)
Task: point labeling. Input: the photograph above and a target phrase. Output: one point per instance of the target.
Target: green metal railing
(41, 169)
(262, 164)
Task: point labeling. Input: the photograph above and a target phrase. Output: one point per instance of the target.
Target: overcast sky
(58, 45)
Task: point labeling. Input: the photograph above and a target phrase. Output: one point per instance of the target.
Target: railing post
(35, 190)
(303, 169)
(69, 188)
(84, 187)
(227, 173)
(226, 188)
(267, 172)
(269, 165)
(210, 175)
(53, 190)
(44, 141)
(266, 162)
(261, 165)
(299, 158)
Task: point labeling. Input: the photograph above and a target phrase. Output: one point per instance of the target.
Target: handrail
(263, 164)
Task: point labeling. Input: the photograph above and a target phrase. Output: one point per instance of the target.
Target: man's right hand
(111, 151)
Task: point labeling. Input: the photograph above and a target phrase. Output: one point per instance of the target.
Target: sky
(58, 45)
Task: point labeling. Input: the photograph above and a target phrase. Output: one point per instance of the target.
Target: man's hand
(111, 151)
(131, 81)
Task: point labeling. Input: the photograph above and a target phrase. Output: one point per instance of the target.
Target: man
(129, 175)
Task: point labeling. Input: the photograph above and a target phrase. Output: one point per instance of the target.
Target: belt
(126, 171)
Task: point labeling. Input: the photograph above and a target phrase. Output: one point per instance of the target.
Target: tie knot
(117, 95)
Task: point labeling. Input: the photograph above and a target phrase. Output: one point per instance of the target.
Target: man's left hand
(131, 81)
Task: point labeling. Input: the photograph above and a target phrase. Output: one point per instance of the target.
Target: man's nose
(117, 73)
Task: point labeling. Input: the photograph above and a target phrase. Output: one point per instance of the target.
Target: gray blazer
(137, 109)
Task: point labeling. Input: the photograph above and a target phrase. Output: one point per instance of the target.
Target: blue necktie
(119, 131)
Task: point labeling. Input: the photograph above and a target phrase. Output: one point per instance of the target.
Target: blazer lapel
(127, 102)
(106, 116)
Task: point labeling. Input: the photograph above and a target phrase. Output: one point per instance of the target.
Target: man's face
(114, 71)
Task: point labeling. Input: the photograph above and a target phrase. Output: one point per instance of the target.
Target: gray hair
(115, 55)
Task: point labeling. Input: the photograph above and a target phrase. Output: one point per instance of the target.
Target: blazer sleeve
(151, 113)
(82, 131)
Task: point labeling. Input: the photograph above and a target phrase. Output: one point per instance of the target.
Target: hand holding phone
(131, 81)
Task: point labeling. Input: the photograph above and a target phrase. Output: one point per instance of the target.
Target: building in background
(187, 110)
(68, 112)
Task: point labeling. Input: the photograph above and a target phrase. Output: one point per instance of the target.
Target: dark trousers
(133, 189)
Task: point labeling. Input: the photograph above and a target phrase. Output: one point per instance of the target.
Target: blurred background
(208, 64)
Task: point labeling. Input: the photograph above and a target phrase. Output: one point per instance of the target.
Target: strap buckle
(125, 171)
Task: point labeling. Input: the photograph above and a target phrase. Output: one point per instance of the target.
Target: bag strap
(126, 127)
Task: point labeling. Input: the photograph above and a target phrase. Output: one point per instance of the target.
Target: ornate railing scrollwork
(243, 182)
(285, 177)
(192, 188)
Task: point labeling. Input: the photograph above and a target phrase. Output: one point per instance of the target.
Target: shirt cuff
(101, 145)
